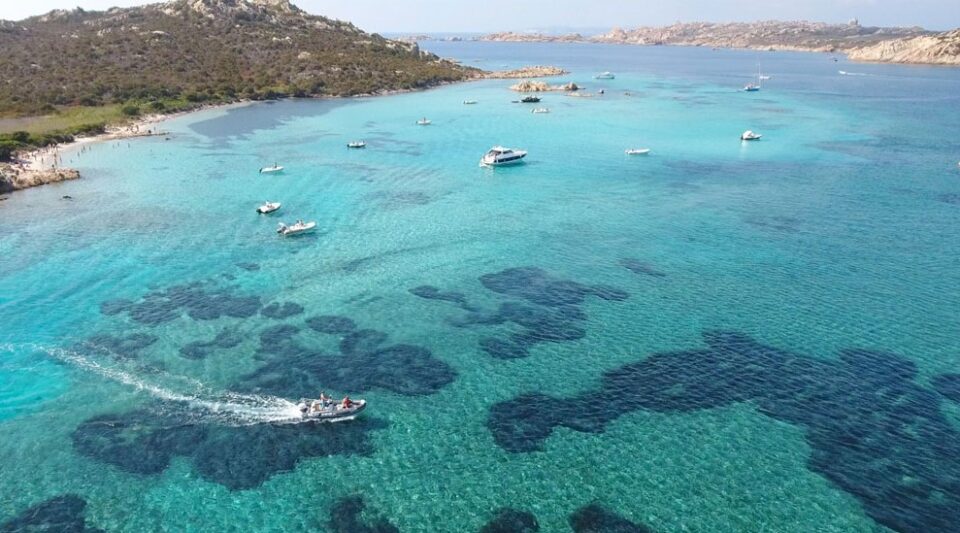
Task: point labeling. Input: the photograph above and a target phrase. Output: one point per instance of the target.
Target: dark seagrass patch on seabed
(595, 518)
(365, 362)
(873, 431)
(227, 338)
(196, 299)
(59, 514)
(346, 516)
(118, 346)
(948, 385)
(239, 458)
(280, 311)
(331, 324)
(551, 311)
(507, 520)
(639, 267)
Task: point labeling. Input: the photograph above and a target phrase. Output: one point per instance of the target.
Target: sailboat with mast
(754, 87)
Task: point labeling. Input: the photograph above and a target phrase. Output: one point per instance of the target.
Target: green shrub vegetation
(180, 55)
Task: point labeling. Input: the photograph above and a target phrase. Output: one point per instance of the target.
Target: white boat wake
(201, 405)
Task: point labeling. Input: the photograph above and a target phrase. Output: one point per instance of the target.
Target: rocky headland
(940, 49)
(861, 43)
(538, 71)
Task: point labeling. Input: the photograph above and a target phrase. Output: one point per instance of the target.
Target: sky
(415, 16)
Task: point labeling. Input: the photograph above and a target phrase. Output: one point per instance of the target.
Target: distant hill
(861, 42)
(942, 48)
(194, 51)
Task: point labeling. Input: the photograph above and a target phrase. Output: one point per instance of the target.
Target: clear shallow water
(837, 231)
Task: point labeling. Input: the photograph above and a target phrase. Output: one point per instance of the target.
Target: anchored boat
(297, 228)
(750, 136)
(268, 207)
(605, 76)
(424, 122)
(357, 144)
(498, 156)
(530, 99)
(270, 170)
(638, 151)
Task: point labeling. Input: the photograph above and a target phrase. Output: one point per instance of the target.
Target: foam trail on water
(225, 408)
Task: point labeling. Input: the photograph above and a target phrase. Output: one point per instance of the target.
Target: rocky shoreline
(14, 180)
(860, 43)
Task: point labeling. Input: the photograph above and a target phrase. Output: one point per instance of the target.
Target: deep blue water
(720, 336)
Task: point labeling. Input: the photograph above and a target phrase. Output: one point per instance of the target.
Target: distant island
(861, 43)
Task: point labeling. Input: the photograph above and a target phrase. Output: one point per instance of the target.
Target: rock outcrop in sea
(12, 179)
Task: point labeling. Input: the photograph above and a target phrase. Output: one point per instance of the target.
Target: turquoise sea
(720, 336)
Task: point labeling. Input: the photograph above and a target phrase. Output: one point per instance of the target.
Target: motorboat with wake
(325, 409)
(297, 228)
(605, 76)
(424, 122)
(498, 156)
(271, 170)
(750, 136)
(268, 207)
(357, 144)
(638, 151)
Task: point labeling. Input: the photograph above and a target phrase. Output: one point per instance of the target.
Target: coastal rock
(941, 49)
(527, 86)
(14, 179)
(538, 71)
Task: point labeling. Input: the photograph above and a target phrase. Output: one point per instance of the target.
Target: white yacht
(498, 156)
(638, 151)
(469, 102)
(297, 228)
(540, 110)
(268, 207)
(357, 144)
(605, 76)
(271, 170)
(424, 122)
(750, 136)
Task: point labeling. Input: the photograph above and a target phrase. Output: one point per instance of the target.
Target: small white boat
(750, 136)
(297, 228)
(357, 144)
(498, 156)
(424, 122)
(327, 410)
(764, 77)
(605, 76)
(268, 207)
(540, 110)
(469, 102)
(638, 151)
(271, 170)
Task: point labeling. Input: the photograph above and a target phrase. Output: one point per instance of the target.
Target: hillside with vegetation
(184, 53)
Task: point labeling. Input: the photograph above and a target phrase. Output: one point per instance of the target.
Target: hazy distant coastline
(861, 43)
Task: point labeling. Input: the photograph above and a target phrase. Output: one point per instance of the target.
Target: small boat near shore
(325, 409)
(605, 76)
(357, 144)
(424, 122)
(750, 136)
(297, 228)
(271, 170)
(540, 110)
(530, 99)
(637, 151)
(268, 207)
(498, 156)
